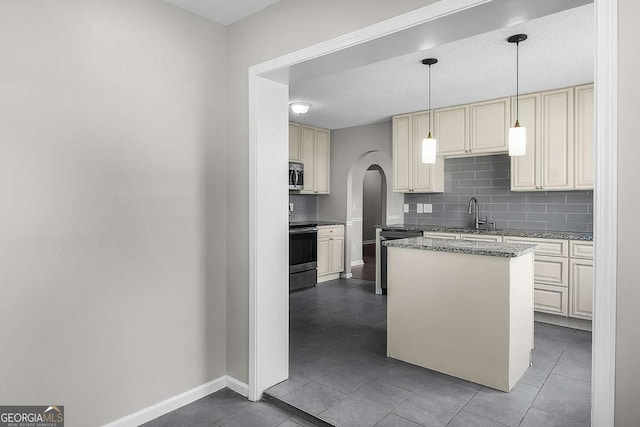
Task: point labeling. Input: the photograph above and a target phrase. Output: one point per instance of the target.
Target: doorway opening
(373, 214)
(268, 84)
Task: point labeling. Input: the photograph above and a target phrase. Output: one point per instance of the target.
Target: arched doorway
(373, 214)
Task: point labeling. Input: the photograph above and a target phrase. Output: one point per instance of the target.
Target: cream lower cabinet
(409, 173)
(581, 280)
(314, 154)
(330, 252)
(563, 276)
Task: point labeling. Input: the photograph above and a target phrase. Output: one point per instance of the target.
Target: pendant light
(429, 142)
(517, 134)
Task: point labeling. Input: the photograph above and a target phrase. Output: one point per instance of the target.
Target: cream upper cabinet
(409, 173)
(451, 130)
(402, 153)
(426, 177)
(315, 153)
(308, 157)
(583, 134)
(550, 159)
(557, 140)
(322, 161)
(294, 142)
(524, 169)
(489, 126)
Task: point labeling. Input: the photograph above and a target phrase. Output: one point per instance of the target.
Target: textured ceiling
(223, 12)
(559, 53)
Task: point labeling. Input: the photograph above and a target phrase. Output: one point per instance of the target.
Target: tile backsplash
(305, 207)
(487, 179)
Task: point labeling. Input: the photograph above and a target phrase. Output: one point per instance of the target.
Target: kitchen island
(463, 308)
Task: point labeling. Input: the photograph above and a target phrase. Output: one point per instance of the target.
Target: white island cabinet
(474, 323)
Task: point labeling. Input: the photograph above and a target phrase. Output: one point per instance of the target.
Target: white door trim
(269, 330)
(605, 214)
(605, 224)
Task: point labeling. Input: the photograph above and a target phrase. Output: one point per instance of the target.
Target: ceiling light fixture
(429, 142)
(300, 107)
(517, 134)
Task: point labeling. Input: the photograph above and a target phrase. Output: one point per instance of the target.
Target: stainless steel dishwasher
(391, 235)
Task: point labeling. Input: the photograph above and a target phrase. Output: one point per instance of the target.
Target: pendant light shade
(429, 147)
(517, 134)
(517, 140)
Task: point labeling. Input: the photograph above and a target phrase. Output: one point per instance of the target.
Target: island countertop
(566, 235)
(462, 246)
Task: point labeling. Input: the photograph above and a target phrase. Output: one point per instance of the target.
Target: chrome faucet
(473, 208)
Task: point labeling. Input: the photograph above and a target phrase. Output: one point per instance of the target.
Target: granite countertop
(565, 235)
(469, 247)
(318, 223)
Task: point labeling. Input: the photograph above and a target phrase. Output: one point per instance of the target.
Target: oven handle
(303, 230)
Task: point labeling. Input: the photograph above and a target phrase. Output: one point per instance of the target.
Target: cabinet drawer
(550, 299)
(330, 231)
(580, 249)
(437, 235)
(552, 247)
(481, 237)
(551, 270)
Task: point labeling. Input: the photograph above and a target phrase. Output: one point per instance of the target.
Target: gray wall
(305, 207)
(487, 179)
(111, 163)
(371, 204)
(353, 151)
(279, 29)
(628, 291)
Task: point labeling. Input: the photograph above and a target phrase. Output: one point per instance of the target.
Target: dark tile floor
(229, 409)
(366, 271)
(339, 371)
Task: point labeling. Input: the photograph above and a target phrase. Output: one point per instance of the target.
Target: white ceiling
(558, 53)
(223, 12)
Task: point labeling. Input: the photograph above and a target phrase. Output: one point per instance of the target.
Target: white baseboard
(357, 262)
(567, 322)
(171, 404)
(237, 386)
(346, 275)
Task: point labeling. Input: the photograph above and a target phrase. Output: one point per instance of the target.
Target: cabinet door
(581, 289)
(336, 264)
(324, 249)
(427, 178)
(583, 144)
(294, 142)
(557, 140)
(489, 126)
(308, 155)
(451, 130)
(322, 161)
(402, 153)
(524, 174)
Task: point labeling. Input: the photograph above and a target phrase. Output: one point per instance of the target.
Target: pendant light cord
(429, 99)
(517, 82)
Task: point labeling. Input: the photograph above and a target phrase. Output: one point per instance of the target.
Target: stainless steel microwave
(296, 176)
